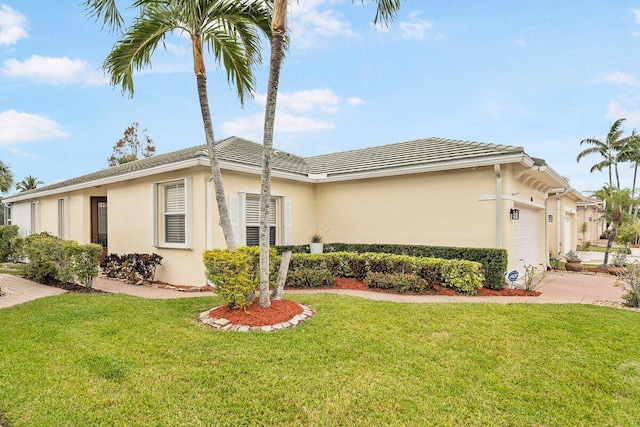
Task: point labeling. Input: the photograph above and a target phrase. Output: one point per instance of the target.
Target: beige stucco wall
(442, 208)
(563, 235)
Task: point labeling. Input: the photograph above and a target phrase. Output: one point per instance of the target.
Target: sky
(540, 74)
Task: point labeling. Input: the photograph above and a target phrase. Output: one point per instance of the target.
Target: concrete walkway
(556, 288)
(18, 290)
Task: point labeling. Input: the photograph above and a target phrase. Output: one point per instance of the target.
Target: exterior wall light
(550, 218)
(515, 214)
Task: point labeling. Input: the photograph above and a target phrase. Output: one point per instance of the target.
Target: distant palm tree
(617, 200)
(28, 183)
(609, 150)
(230, 29)
(630, 152)
(6, 177)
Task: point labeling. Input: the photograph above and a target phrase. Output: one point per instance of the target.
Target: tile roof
(240, 151)
(410, 153)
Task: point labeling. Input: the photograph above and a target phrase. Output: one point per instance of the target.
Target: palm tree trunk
(278, 29)
(617, 175)
(201, 78)
(633, 187)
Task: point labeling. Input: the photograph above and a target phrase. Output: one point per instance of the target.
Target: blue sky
(539, 74)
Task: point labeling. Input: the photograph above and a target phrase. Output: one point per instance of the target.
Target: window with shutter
(252, 220)
(174, 213)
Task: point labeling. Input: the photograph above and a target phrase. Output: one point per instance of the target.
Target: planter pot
(573, 266)
(635, 251)
(315, 248)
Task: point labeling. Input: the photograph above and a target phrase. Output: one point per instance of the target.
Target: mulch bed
(280, 311)
(72, 287)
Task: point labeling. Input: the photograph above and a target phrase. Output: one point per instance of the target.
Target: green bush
(395, 271)
(400, 282)
(310, 278)
(8, 234)
(630, 283)
(236, 275)
(50, 259)
(493, 261)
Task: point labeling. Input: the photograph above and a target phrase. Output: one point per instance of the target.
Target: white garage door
(526, 239)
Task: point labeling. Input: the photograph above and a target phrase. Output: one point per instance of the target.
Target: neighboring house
(591, 212)
(429, 191)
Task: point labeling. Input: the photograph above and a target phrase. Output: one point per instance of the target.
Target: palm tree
(6, 177)
(630, 152)
(385, 12)
(609, 150)
(29, 182)
(616, 201)
(229, 29)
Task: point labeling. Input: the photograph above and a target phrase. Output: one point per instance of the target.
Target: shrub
(630, 283)
(310, 278)
(8, 234)
(401, 282)
(132, 268)
(464, 276)
(51, 259)
(493, 261)
(235, 275)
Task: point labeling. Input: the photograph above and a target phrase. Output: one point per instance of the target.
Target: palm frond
(107, 10)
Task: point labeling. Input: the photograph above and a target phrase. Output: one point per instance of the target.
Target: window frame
(160, 214)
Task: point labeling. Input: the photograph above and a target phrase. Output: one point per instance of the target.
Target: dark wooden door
(99, 223)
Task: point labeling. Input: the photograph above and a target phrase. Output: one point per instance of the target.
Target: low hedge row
(403, 273)
(8, 234)
(49, 258)
(493, 261)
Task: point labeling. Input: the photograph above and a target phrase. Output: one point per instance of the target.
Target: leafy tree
(6, 177)
(609, 150)
(617, 201)
(229, 29)
(29, 182)
(130, 148)
(385, 12)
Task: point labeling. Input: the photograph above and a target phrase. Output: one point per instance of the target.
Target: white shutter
(286, 222)
(234, 217)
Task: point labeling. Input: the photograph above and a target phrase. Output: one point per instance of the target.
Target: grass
(11, 268)
(116, 360)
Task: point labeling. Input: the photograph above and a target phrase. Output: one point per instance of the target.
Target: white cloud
(636, 12)
(415, 30)
(251, 127)
(55, 71)
(18, 127)
(12, 25)
(355, 101)
(21, 153)
(309, 21)
(620, 78)
(616, 111)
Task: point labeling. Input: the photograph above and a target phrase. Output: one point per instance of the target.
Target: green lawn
(116, 360)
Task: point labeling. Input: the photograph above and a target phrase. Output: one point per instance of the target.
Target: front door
(99, 222)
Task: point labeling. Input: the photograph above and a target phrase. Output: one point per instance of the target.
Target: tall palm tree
(609, 150)
(630, 152)
(229, 29)
(29, 182)
(6, 177)
(385, 12)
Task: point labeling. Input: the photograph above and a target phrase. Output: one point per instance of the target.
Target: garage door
(526, 239)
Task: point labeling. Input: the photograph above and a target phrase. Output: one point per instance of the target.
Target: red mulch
(280, 311)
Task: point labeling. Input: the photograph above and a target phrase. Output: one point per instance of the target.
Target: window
(172, 222)
(7, 214)
(63, 218)
(253, 220)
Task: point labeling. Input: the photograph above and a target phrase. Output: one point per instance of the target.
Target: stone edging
(222, 324)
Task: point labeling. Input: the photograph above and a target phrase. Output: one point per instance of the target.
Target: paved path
(18, 290)
(556, 288)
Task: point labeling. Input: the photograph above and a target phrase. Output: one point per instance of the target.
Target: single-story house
(429, 191)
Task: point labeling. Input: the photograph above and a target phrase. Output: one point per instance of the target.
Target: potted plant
(573, 261)
(316, 246)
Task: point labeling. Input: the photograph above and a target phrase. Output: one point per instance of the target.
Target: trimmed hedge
(493, 261)
(402, 273)
(50, 259)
